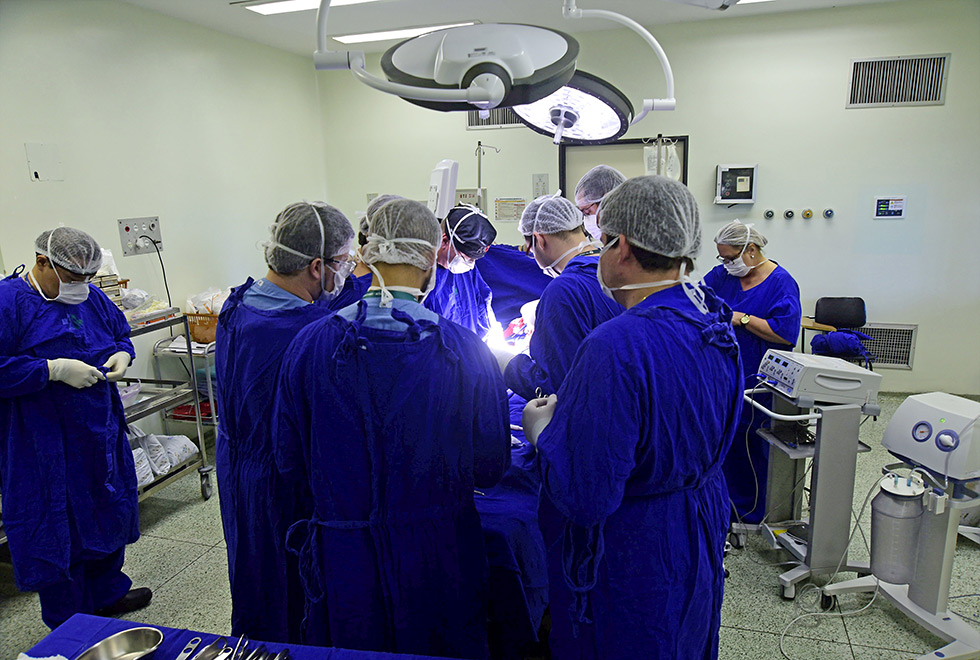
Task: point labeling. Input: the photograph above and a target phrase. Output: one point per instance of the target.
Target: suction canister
(896, 514)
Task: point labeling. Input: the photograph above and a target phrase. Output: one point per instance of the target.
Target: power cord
(166, 286)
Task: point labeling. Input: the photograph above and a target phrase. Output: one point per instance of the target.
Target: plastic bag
(133, 298)
(155, 453)
(207, 302)
(128, 394)
(179, 448)
(144, 473)
(108, 266)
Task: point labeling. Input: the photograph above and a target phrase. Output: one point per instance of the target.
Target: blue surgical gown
(354, 289)
(632, 459)
(255, 327)
(570, 308)
(514, 277)
(776, 299)
(66, 468)
(392, 429)
(464, 299)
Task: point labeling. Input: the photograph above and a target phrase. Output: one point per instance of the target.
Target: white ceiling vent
(499, 118)
(896, 81)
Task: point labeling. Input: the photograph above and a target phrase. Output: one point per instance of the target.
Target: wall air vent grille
(499, 118)
(898, 81)
(892, 344)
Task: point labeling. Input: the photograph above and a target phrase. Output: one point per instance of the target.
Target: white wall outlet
(140, 236)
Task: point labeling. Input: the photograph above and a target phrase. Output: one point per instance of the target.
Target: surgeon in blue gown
(765, 300)
(66, 468)
(571, 306)
(308, 259)
(637, 435)
(460, 294)
(392, 415)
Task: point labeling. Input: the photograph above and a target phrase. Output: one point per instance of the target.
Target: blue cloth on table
(514, 278)
(392, 430)
(257, 505)
(515, 549)
(632, 459)
(69, 483)
(776, 299)
(571, 306)
(464, 299)
(82, 631)
(354, 289)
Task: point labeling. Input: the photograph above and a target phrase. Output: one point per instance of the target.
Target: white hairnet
(71, 249)
(403, 231)
(373, 207)
(655, 213)
(549, 214)
(597, 182)
(738, 235)
(304, 232)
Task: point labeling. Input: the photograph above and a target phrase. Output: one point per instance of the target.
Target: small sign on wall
(889, 208)
(508, 209)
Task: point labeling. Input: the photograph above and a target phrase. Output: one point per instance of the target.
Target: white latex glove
(537, 415)
(117, 364)
(73, 372)
(503, 358)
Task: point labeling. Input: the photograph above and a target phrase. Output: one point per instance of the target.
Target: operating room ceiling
(296, 32)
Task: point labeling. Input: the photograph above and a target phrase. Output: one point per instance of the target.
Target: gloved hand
(73, 372)
(503, 358)
(537, 415)
(117, 364)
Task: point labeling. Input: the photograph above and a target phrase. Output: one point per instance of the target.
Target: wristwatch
(745, 320)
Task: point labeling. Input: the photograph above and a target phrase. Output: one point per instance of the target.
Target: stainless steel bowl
(126, 645)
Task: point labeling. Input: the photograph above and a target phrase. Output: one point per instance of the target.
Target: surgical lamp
(528, 68)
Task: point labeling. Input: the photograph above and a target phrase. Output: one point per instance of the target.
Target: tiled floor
(182, 557)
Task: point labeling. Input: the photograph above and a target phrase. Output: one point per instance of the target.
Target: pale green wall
(768, 90)
(153, 116)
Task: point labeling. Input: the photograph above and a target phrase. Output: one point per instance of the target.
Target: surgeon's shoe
(135, 599)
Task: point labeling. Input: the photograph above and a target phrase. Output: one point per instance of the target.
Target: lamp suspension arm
(570, 10)
(324, 59)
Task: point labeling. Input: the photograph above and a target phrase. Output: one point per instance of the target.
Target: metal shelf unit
(165, 395)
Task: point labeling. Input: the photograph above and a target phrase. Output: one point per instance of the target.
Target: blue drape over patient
(464, 299)
(514, 277)
(632, 459)
(392, 416)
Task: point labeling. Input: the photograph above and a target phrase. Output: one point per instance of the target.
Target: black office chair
(847, 315)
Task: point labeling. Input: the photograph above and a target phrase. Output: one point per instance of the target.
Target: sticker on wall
(44, 162)
(508, 209)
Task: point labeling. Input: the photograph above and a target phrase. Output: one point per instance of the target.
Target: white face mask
(738, 267)
(69, 293)
(692, 291)
(340, 269)
(459, 263)
(592, 225)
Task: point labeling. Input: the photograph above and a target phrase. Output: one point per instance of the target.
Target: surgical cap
(737, 235)
(655, 213)
(549, 215)
(597, 182)
(304, 232)
(403, 231)
(71, 249)
(373, 207)
(471, 230)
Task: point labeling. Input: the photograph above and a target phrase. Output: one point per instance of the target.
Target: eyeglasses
(589, 209)
(728, 261)
(344, 266)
